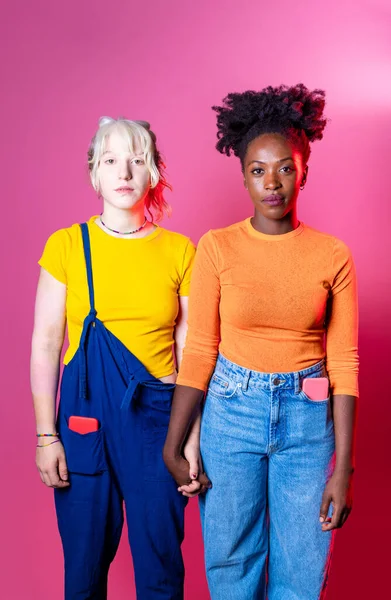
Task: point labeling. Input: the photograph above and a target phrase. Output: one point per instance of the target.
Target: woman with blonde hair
(120, 284)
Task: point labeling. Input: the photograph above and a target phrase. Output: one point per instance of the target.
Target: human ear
(304, 178)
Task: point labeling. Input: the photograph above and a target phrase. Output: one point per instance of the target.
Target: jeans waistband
(290, 380)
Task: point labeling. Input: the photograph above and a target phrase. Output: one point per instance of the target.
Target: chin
(124, 203)
(275, 212)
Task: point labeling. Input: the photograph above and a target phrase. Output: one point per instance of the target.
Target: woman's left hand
(191, 452)
(339, 493)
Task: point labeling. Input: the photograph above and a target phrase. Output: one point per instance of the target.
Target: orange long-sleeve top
(272, 303)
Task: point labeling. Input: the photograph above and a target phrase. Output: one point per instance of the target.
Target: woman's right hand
(188, 471)
(185, 410)
(52, 466)
(179, 469)
(199, 480)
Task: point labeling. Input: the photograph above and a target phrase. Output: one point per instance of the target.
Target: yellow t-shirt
(136, 282)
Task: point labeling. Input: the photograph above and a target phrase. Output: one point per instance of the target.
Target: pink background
(66, 64)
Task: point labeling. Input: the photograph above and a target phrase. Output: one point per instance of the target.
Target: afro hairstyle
(294, 112)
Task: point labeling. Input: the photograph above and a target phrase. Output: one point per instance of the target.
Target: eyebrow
(112, 152)
(261, 162)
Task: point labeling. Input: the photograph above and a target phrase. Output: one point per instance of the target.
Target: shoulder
(337, 251)
(63, 238)
(217, 244)
(223, 235)
(57, 251)
(327, 239)
(177, 241)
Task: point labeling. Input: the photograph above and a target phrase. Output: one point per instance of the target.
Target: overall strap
(90, 319)
(87, 255)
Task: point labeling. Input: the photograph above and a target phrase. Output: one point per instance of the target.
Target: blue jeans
(268, 450)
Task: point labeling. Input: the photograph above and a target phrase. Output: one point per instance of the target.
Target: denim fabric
(121, 462)
(268, 450)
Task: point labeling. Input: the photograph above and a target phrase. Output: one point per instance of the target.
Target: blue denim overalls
(122, 461)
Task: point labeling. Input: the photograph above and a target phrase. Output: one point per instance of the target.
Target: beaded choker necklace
(123, 232)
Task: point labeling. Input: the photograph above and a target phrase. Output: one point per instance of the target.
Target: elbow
(48, 343)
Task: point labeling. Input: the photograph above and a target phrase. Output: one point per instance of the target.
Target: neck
(275, 226)
(123, 219)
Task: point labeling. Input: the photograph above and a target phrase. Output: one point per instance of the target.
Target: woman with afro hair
(272, 340)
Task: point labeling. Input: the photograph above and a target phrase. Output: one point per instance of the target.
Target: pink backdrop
(66, 64)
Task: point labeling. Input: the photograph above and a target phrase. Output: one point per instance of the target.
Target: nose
(271, 181)
(125, 171)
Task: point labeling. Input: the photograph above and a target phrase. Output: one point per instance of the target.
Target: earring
(302, 186)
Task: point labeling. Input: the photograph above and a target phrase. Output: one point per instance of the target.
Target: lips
(273, 200)
(124, 190)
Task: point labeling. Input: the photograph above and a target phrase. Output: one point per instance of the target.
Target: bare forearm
(195, 428)
(180, 331)
(345, 419)
(185, 411)
(178, 349)
(45, 368)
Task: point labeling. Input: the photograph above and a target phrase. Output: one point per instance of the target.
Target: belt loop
(130, 393)
(246, 379)
(297, 383)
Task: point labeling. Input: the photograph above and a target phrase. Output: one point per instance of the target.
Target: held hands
(339, 493)
(191, 481)
(199, 482)
(188, 472)
(52, 466)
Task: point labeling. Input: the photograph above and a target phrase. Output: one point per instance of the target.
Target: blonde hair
(140, 138)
